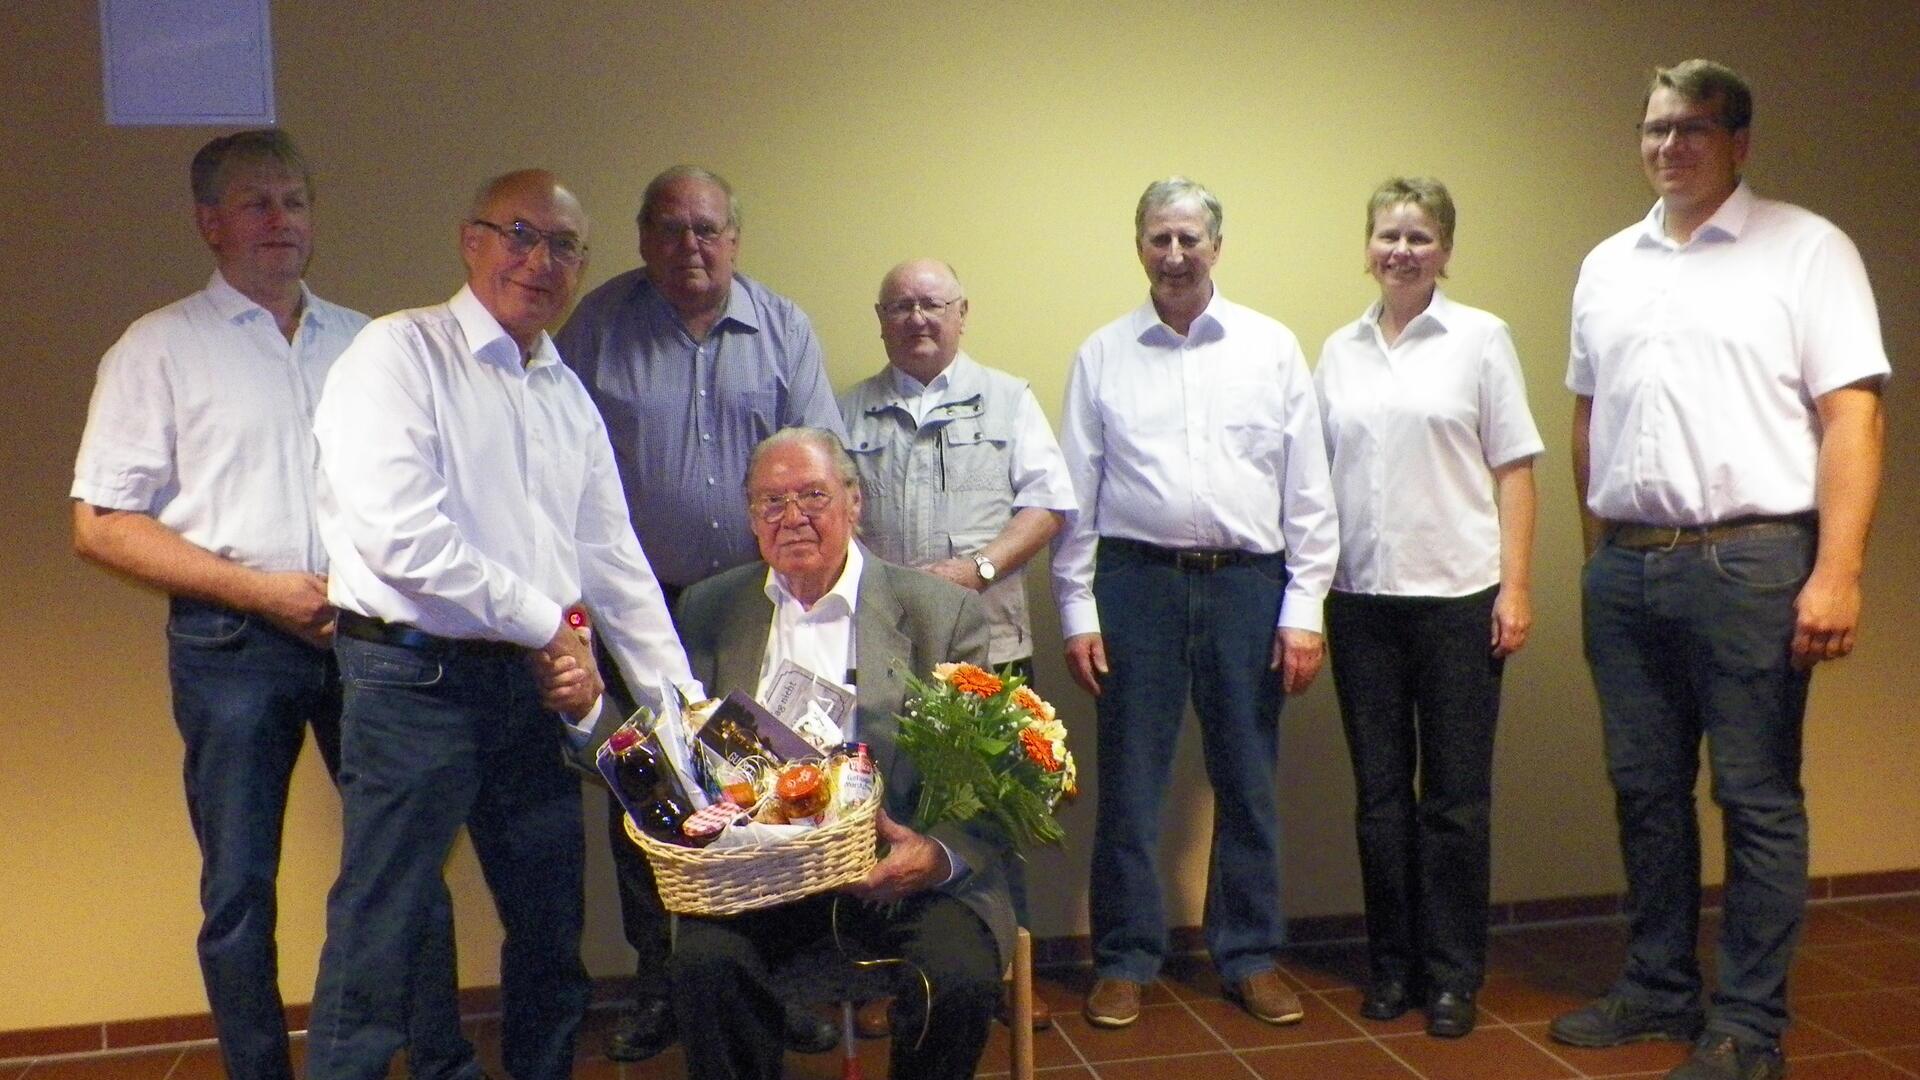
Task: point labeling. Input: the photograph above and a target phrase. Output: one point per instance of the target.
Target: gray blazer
(907, 620)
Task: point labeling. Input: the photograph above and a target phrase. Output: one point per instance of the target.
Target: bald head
(923, 312)
(524, 243)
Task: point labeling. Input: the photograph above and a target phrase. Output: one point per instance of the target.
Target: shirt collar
(1727, 222)
(1440, 312)
(235, 306)
(740, 309)
(906, 386)
(1207, 326)
(842, 599)
(488, 340)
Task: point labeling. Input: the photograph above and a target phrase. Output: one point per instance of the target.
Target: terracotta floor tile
(1649, 1057)
(1490, 1053)
(1875, 1019)
(1222, 1066)
(1050, 1049)
(1900, 914)
(669, 1064)
(1322, 1023)
(1517, 1001)
(1326, 967)
(1846, 1067)
(1814, 974)
(1347, 1004)
(1907, 1057)
(1840, 924)
(1326, 1061)
(1891, 963)
(1808, 1040)
(1075, 1072)
(200, 1063)
(1161, 1029)
(143, 1065)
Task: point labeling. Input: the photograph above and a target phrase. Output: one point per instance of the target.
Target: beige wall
(1010, 139)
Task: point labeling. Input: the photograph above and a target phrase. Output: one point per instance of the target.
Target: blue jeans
(1689, 643)
(244, 694)
(432, 740)
(1170, 633)
(1419, 693)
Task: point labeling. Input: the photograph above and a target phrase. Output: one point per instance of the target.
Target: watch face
(985, 565)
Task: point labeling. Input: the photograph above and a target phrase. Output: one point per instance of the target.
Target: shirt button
(703, 393)
(711, 481)
(716, 524)
(706, 438)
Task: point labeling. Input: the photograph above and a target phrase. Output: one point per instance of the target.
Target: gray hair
(1177, 189)
(261, 146)
(820, 439)
(1705, 82)
(687, 172)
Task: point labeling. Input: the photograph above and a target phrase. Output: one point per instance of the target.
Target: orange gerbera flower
(971, 680)
(1038, 750)
(1031, 702)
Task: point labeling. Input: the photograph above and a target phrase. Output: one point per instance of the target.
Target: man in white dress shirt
(468, 498)
(196, 477)
(1198, 564)
(1727, 437)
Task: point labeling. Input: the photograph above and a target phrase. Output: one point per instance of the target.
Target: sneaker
(1113, 1003)
(1266, 997)
(1615, 1021)
(1721, 1057)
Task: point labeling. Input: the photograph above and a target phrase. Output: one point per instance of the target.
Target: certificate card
(206, 62)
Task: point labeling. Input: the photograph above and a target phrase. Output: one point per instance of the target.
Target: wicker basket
(728, 881)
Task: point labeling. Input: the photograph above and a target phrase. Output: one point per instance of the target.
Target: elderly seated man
(938, 899)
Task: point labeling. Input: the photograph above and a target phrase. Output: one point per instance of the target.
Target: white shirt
(1703, 360)
(1206, 441)
(1037, 470)
(1414, 430)
(819, 640)
(473, 497)
(202, 417)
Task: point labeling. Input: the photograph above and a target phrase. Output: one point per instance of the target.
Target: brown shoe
(1113, 1003)
(1042, 1014)
(1268, 998)
(870, 1020)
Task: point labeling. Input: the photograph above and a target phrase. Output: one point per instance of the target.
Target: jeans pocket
(205, 627)
(1768, 562)
(390, 666)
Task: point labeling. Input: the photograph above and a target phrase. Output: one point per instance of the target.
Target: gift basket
(737, 810)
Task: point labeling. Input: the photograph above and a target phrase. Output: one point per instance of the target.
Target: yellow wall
(1011, 139)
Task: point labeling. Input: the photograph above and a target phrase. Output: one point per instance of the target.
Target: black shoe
(642, 1032)
(1721, 1057)
(1386, 999)
(1615, 1021)
(807, 1033)
(1451, 1014)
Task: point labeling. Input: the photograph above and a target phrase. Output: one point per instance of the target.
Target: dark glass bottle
(648, 787)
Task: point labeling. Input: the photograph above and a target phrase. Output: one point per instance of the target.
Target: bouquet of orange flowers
(987, 744)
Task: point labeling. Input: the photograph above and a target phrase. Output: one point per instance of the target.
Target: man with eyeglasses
(1727, 366)
(691, 365)
(962, 475)
(937, 899)
(1197, 567)
(196, 477)
(468, 500)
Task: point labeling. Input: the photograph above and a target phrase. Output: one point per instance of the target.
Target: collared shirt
(202, 417)
(1037, 471)
(684, 416)
(472, 496)
(1414, 430)
(1704, 359)
(1211, 440)
(819, 640)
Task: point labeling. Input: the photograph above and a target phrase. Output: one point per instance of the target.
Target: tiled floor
(1856, 1000)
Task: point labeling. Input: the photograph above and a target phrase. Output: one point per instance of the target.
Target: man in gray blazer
(941, 901)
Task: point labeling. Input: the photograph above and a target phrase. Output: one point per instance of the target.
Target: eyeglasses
(771, 508)
(902, 310)
(1656, 131)
(705, 233)
(565, 248)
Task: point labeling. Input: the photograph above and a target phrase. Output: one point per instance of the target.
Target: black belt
(1188, 560)
(1634, 537)
(381, 632)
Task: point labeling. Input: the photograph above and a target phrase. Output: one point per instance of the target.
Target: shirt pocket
(1250, 418)
(976, 459)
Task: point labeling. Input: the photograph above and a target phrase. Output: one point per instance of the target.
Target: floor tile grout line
(1890, 1063)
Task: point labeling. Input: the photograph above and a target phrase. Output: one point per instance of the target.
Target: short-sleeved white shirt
(1704, 359)
(202, 416)
(1414, 430)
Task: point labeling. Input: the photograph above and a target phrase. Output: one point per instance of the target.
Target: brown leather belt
(381, 632)
(1189, 560)
(1634, 537)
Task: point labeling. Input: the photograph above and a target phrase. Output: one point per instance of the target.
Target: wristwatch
(985, 566)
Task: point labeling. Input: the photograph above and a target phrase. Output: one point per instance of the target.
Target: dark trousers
(1170, 633)
(244, 695)
(430, 741)
(1689, 643)
(1419, 694)
(732, 1022)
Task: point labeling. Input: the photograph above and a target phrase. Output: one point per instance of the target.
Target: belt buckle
(1203, 561)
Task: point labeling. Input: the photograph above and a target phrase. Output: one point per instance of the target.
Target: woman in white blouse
(1432, 448)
